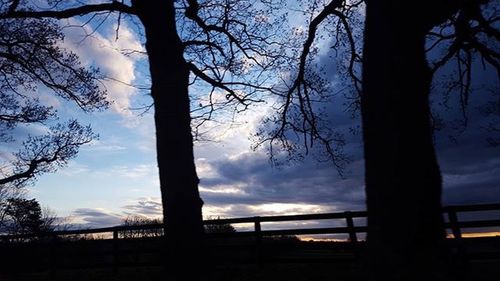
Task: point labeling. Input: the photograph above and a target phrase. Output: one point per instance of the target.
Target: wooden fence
(352, 224)
(450, 212)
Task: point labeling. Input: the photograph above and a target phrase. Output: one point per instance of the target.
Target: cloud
(95, 218)
(6, 156)
(100, 217)
(238, 182)
(74, 168)
(231, 135)
(132, 172)
(471, 174)
(48, 99)
(249, 180)
(101, 49)
(234, 179)
(145, 206)
(104, 146)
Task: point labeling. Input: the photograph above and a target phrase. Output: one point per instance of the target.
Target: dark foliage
(23, 216)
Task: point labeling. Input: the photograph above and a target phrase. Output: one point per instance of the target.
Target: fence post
(350, 224)
(352, 233)
(457, 235)
(115, 250)
(455, 228)
(258, 240)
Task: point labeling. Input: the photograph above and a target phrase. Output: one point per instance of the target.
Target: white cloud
(233, 137)
(48, 99)
(6, 156)
(74, 168)
(101, 146)
(289, 208)
(205, 169)
(106, 53)
(141, 171)
(223, 189)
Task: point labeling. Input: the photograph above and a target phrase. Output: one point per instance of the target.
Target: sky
(116, 175)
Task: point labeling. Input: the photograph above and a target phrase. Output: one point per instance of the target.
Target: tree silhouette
(406, 237)
(215, 41)
(137, 220)
(23, 216)
(46, 153)
(32, 61)
(402, 172)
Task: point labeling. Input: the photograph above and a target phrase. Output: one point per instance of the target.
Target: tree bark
(406, 237)
(174, 142)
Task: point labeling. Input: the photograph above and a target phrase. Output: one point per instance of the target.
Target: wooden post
(462, 259)
(352, 233)
(457, 235)
(115, 254)
(258, 240)
(350, 224)
(455, 228)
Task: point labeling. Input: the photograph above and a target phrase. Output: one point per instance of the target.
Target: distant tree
(24, 216)
(218, 227)
(288, 239)
(136, 220)
(217, 41)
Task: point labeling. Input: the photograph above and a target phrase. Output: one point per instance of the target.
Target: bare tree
(403, 181)
(217, 42)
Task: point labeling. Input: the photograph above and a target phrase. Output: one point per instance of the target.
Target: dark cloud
(469, 164)
(306, 183)
(95, 218)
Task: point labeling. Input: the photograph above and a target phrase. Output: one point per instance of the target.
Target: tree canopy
(23, 216)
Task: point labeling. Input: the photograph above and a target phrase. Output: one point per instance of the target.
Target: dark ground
(280, 261)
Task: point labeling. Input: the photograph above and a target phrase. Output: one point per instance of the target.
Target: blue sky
(116, 175)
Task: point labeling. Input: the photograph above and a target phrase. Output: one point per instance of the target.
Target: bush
(219, 228)
(141, 233)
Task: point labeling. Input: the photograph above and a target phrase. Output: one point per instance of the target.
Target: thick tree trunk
(406, 237)
(174, 142)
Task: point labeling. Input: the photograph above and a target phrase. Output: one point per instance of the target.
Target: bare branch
(114, 6)
(43, 154)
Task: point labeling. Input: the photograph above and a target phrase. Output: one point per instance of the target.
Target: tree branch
(32, 167)
(114, 6)
(196, 71)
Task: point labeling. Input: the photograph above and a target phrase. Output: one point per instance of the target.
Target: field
(140, 259)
